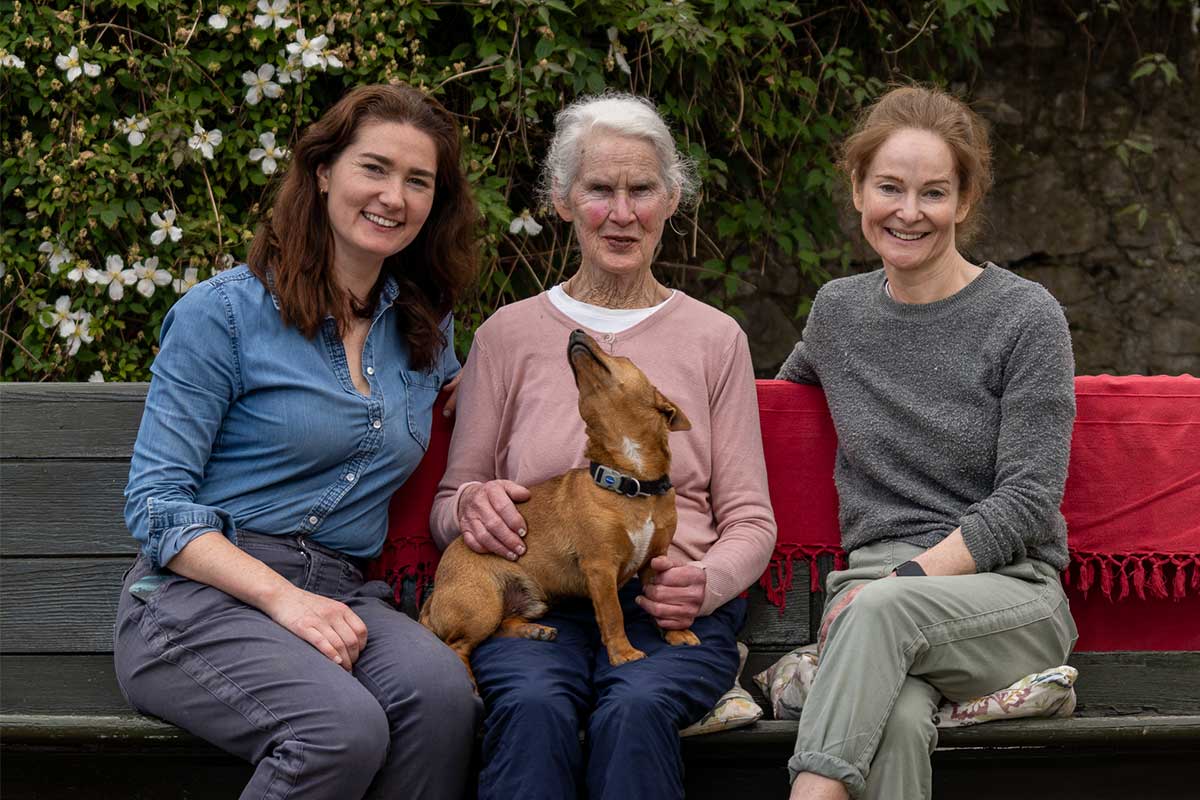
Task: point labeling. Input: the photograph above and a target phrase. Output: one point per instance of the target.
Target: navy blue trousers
(539, 696)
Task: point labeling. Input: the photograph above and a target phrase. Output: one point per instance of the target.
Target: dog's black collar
(619, 482)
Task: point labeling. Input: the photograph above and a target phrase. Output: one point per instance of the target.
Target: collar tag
(609, 478)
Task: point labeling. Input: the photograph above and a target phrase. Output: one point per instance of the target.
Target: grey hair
(625, 115)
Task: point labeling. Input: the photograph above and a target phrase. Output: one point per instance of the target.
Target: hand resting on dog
(489, 520)
(675, 593)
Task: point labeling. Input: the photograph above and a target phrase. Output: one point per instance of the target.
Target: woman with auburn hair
(289, 399)
(951, 389)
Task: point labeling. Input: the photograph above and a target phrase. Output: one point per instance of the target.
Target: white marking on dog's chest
(640, 539)
(633, 451)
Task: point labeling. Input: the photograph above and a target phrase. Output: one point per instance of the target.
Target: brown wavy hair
(292, 252)
(939, 112)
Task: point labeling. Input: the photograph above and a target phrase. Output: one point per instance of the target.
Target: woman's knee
(640, 705)
(526, 700)
(347, 730)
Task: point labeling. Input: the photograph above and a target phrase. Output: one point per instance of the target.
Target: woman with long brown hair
(290, 397)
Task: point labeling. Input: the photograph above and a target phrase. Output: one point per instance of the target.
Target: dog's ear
(676, 421)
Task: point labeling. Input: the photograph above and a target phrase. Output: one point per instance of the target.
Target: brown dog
(588, 531)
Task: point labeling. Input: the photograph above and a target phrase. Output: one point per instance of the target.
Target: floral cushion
(735, 708)
(786, 682)
(1050, 693)
(1043, 694)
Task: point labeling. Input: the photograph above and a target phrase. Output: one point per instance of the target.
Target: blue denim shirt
(250, 426)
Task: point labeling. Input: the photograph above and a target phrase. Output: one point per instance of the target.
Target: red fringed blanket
(1132, 506)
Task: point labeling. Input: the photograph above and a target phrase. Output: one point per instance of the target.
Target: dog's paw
(676, 638)
(617, 658)
(517, 628)
(543, 633)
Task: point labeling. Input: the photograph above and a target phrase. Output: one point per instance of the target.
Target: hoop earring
(671, 222)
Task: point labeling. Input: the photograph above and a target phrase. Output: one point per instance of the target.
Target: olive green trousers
(904, 643)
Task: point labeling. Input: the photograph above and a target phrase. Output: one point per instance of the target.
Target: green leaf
(1142, 71)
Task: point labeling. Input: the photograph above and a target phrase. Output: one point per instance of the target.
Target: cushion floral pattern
(1050, 693)
(735, 708)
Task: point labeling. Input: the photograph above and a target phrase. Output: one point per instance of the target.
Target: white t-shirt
(599, 318)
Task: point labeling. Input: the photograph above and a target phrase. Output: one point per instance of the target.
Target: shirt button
(376, 424)
(350, 478)
(370, 370)
(608, 337)
(313, 520)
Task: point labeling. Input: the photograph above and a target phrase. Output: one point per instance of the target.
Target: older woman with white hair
(614, 172)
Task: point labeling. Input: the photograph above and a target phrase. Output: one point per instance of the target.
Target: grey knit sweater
(948, 414)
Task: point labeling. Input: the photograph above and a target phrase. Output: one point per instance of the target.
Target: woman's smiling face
(379, 192)
(619, 203)
(909, 201)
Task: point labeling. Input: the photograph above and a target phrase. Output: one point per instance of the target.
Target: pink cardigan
(518, 419)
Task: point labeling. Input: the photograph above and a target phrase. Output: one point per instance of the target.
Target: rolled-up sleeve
(195, 379)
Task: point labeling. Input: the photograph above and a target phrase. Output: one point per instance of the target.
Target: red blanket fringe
(1156, 575)
(406, 557)
(777, 580)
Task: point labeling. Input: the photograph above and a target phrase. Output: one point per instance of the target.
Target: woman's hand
(451, 390)
(489, 520)
(674, 595)
(326, 624)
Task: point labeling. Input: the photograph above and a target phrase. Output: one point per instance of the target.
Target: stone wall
(1131, 294)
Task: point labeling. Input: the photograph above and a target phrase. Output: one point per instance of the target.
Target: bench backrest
(64, 455)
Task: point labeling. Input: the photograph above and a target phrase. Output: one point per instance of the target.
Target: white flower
(269, 154)
(114, 276)
(292, 72)
(10, 60)
(134, 127)
(59, 255)
(261, 84)
(224, 262)
(309, 50)
(191, 276)
(218, 22)
(79, 271)
(149, 276)
(164, 226)
(204, 141)
(272, 14)
(60, 314)
(71, 64)
(75, 331)
(96, 377)
(525, 222)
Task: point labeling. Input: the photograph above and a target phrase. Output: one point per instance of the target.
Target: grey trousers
(401, 725)
(904, 643)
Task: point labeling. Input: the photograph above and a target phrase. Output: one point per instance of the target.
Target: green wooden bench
(65, 730)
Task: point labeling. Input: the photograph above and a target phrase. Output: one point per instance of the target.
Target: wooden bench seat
(65, 730)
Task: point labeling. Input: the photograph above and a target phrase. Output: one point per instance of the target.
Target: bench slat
(767, 627)
(70, 420)
(770, 740)
(45, 513)
(57, 685)
(773, 739)
(59, 605)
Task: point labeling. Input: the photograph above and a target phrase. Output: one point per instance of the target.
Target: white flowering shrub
(139, 139)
